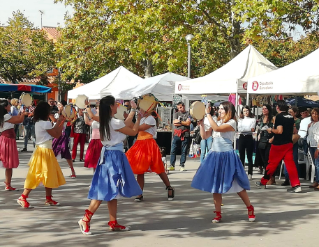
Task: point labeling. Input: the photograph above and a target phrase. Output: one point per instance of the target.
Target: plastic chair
(309, 163)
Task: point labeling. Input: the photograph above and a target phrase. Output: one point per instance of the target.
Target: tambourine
(69, 112)
(26, 99)
(147, 103)
(80, 101)
(120, 111)
(197, 110)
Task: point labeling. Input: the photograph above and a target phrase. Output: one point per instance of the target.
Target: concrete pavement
(283, 219)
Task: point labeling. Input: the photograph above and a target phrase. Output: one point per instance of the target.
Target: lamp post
(41, 12)
(188, 39)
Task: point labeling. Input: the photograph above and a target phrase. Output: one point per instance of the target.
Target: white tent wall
(229, 78)
(110, 84)
(300, 77)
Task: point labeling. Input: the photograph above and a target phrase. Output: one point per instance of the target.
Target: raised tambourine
(120, 111)
(81, 101)
(147, 103)
(69, 112)
(26, 99)
(197, 110)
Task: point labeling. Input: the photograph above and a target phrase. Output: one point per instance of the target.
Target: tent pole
(247, 99)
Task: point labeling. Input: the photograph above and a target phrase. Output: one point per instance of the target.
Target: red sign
(245, 85)
(255, 86)
(180, 87)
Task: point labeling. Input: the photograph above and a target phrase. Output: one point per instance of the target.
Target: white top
(245, 125)
(228, 135)
(95, 125)
(6, 125)
(304, 127)
(116, 137)
(207, 125)
(41, 134)
(313, 133)
(150, 121)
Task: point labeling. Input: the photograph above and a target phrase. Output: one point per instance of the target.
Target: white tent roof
(231, 77)
(300, 77)
(162, 86)
(110, 84)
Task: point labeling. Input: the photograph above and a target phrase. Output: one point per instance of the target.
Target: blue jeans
(295, 153)
(177, 141)
(205, 146)
(29, 131)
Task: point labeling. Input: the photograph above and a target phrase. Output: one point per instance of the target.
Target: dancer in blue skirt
(222, 171)
(113, 176)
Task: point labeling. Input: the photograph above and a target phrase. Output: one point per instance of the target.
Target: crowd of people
(279, 137)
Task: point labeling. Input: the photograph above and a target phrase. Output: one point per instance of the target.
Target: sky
(53, 13)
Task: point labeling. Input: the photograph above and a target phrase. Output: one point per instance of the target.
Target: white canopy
(110, 84)
(300, 77)
(230, 78)
(161, 86)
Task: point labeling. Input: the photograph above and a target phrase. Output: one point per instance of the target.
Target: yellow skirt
(44, 168)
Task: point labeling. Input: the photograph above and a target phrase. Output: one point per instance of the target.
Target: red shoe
(251, 215)
(218, 217)
(9, 188)
(114, 226)
(85, 224)
(22, 201)
(51, 202)
(73, 176)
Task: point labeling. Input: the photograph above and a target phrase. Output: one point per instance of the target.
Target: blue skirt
(113, 177)
(221, 169)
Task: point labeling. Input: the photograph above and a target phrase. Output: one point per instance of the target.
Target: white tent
(231, 78)
(110, 84)
(162, 86)
(300, 77)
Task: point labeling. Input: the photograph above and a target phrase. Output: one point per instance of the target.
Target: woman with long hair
(113, 176)
(43, 165)
(145, 155)
(8, 146)
(95, 146)
(207, 135)
(15, 112)
(61, 145)
(222, 171)
(246, 127)
(264, 138)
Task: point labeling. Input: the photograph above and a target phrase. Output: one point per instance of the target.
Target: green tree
(25, 52)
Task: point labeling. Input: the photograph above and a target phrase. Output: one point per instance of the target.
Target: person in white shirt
(113, 176)
(246, 127)
(43, 165)
(303, 130)
(9, 157)
(145, 156)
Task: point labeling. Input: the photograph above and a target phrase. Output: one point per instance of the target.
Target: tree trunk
(148, 68)
(235, 40)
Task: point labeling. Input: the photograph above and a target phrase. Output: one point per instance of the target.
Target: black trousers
(246, 144)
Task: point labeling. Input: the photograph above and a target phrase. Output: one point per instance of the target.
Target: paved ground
(282, 219)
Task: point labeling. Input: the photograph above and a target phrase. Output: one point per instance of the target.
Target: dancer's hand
(60, 120)
(142, 113)
(200, 122)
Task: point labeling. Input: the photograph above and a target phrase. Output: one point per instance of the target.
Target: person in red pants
(282, 148)
(79, 135)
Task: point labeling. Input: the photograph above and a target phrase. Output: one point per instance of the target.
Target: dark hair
(242, 112)
(295, 109)
(229, 110)
(63, 102)
(314, 110)
(282, 105)
(155, 115)
(105, 114)
(180, 103)
(212, 109)
(42, 112)
(3, 104)
(270, 113)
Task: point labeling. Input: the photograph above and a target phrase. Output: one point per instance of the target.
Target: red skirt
(8, 150)
(93, 153)
(145, 156)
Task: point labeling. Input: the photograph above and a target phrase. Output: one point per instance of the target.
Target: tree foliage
(25, 52)
(104, 34)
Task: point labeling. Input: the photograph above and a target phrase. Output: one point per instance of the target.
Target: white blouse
(116, 137)
(227, 135)
(152, 122)
(313, 134)
(245, 125)
(6, 125)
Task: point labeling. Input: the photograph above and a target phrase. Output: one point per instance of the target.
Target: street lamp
(188, 39)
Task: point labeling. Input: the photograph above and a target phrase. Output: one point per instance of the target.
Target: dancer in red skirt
(145, 156)
(95, 146)
(8, 146)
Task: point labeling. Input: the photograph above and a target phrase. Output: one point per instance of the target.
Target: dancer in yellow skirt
(44, 167)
